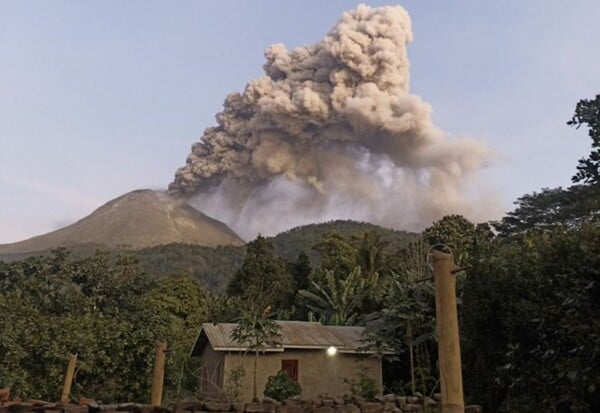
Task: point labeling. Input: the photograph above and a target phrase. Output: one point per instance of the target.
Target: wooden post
(409, 334)
(159, 374)
(447, 331)
(64, 398)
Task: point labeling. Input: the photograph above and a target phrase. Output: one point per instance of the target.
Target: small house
(318, 357)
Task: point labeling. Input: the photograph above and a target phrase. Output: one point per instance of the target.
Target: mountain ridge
(138, 219)
(167, 236)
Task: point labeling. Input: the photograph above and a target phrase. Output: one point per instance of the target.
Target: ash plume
(332, 131)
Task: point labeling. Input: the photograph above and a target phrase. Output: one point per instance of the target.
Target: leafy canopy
(587, 112)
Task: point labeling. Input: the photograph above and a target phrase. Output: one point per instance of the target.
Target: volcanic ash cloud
(331, 131)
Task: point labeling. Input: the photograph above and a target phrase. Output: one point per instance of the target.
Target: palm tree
(370, 253)
(406, 322)
(337, 301)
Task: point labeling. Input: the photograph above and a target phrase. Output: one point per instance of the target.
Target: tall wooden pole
(64, 398)
(413, 385)
(159, 374)
(447, 332)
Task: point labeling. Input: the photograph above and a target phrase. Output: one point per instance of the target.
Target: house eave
(247, 349)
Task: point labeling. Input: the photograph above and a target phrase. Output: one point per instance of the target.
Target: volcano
(138, 219)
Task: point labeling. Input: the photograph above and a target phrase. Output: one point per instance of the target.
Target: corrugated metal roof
(295, 334)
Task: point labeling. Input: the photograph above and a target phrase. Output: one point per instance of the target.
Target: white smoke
(331, 131)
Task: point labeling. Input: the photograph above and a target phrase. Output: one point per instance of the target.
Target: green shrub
(281, 387)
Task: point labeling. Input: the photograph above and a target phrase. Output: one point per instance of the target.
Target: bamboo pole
(447, 332)
(159, 374)
(64, 398)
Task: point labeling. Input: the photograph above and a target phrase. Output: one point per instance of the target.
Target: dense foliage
(530, 321)
(544, 210)
(111, 315)
(210, 266)
(587, 112)
(263, 279)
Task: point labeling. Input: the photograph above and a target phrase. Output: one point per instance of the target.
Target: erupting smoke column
(331, 131)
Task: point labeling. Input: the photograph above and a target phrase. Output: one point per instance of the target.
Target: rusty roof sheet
(295, 334)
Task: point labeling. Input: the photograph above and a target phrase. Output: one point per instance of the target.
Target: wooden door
(291, 368)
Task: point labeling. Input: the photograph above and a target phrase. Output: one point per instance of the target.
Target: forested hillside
(213, 266)
(290, 243)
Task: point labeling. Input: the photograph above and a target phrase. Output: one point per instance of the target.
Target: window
(291, 368)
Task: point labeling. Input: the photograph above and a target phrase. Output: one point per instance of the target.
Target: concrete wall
(318, 373)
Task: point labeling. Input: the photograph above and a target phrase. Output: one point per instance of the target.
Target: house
(302, 353)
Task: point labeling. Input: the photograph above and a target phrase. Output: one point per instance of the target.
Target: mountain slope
(290, 243)
(214, 266)
(169, 237)
(136, 220)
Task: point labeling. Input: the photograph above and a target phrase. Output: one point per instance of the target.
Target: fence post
(159, 374)
(64, 398)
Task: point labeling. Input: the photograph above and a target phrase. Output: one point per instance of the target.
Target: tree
(530, 320)
(569, 207)
(452, 230)
(261, 283)
(552, 207)
(106, 311)
(587, 112)
(181, 301)
(557, 206)
(336, 253)
(370, 253)
(460, 235)
(406, 321)
(338, 300)
(263, 278)
(301, 271)
(257, 331)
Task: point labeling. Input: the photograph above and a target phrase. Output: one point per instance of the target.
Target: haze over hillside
(138, 219)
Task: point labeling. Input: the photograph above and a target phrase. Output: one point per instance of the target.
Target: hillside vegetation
(290, 243)
(213, 266)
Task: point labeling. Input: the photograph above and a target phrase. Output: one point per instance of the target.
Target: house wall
(211, 372)
(318, 373)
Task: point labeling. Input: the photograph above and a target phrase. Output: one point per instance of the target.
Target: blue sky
(98, 98)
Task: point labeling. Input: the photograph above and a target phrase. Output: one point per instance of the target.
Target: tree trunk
(255, 398)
